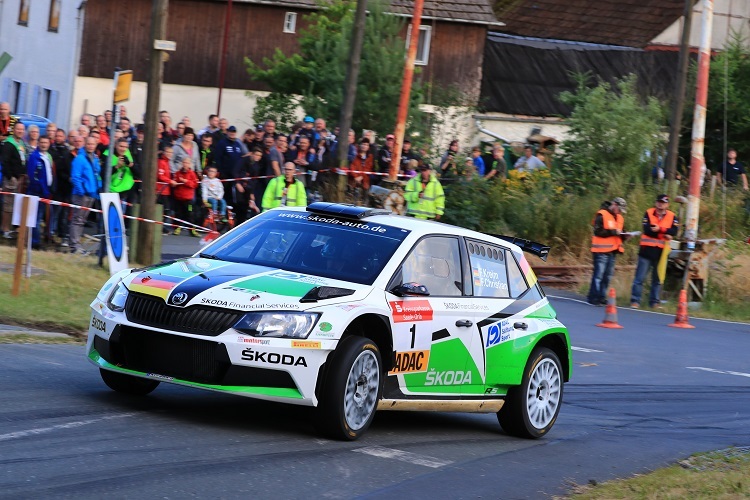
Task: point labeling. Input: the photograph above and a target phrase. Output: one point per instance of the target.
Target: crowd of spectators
(211, 167)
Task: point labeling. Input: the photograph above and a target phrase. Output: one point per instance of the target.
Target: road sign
(123, 79)
(165, 45)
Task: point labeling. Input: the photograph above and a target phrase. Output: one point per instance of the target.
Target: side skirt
(467, 406)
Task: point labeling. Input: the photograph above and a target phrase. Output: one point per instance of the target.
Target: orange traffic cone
(681, 318)
(610, 312)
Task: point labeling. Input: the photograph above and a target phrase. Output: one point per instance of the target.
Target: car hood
(243, 287)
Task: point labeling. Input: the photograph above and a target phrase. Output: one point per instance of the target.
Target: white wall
(516, 129)
(41, 59)
(94, 95)
(728, 15)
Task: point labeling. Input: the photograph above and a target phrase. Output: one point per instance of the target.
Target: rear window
(342, 249)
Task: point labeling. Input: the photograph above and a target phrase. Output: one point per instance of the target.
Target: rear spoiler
(532, 247)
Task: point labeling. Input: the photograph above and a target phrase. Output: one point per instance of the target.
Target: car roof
(417, 226)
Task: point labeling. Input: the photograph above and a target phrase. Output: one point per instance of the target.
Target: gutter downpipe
(489, 132)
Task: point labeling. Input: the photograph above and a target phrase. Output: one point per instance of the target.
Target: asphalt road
(641, 398)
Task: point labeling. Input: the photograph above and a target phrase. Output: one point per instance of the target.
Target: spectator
(164, 183)
(101, 124)
(50, 132)
(212, 193)
(477, 160)
(32, 137)
(424, 195)
(86, 120)
(733, 171)
(248, 191)
(407, 155)
(6, 121)
(229, 152)
(285, 190)
(179, 131)
(108, 118)
(606, 244)
(449, 163)
(163, 137)
(183, 192)
(528, 162)
(13, 159)
(269, 128)
(294, 136)
(321, 132)
(127, 129)
(186, 146)
(304, 159)
(122, 179)
(87, 182)
(136, 147)
(248, 139)
(206, 152)
(362, 163)
(168, 128)
(186, 120)
(498, 168)
(213, 126)
(84, 132)
(62, 159)
(660, 225)
(40, 170)
(307, 129)
(221, 133)
(385, 154)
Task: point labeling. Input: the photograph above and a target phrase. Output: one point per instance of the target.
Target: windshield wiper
(208, 256)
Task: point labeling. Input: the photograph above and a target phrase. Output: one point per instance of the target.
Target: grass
(24, 338)
(716, 475)
(58, 298)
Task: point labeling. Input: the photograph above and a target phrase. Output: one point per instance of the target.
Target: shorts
(9, 186)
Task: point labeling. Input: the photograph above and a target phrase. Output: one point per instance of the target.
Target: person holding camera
(448, 165)
(123, 174)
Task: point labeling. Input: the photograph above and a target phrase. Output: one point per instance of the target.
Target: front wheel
(531, 409)
(352, 389)
(127, 384)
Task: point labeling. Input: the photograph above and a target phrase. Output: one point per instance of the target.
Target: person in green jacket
(424, 195)
(285, 190)
(123, 177)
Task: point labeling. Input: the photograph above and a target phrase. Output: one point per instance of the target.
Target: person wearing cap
(449, 161)
(606, 244)
(424, 195)
(660, 225)
(307, 129)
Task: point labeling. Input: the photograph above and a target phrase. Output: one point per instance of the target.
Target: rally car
(346, 309)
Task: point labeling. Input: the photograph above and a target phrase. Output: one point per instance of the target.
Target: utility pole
(145, 250)
(679, 96)
(403, 103)
(350, 90)
(223, 57)
(699, 126)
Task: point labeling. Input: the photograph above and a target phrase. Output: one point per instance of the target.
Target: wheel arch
(556, 342)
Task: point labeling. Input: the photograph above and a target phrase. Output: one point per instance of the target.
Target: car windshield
(342, 249)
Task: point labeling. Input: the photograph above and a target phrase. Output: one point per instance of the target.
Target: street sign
(123, 79)
(165, 45)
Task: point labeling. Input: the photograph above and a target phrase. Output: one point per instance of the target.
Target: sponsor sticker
(273, 358)
(499, 332)
(98, 324)
(325, 335)
(306, 344)
(411, 310)
(325, 327)
(457, 377)
(410, 362)
(253, 340)
(160, 377)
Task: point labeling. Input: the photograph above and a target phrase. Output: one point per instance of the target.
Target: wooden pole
(145, 251)
(20, 247)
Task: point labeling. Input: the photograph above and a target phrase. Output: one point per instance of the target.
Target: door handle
(464, 322)
(520, 326)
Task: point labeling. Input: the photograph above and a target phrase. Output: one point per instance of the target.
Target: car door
(432, 334)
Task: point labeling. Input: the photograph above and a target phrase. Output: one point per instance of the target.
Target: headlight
(292, 325)
(117, 298)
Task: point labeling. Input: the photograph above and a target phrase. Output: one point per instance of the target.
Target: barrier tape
(339, 171)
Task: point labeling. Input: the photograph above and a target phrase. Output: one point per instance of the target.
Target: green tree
(614, 132)
(317, 72)
(277, 107)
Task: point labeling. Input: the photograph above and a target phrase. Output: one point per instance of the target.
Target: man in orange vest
(605, 245)
(659, 226)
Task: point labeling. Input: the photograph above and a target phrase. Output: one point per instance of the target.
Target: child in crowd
(213, 192)
(184, 192)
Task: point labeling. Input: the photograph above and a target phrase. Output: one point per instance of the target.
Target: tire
(127, 384)
(352, 389)
(531, 409)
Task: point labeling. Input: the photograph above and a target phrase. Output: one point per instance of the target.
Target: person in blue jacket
(40, 170)
(85, 176)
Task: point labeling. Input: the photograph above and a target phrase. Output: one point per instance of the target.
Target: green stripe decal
(278, 286)
(280, 392)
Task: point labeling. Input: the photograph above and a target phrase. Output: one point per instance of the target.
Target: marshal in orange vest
(664, 225)
(610, 243)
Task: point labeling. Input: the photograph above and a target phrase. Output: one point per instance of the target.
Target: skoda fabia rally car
(347, 309)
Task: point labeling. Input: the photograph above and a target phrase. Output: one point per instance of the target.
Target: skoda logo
(179, 298)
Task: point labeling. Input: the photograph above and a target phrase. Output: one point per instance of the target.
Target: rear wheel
(352, 389)
(531, 409)
(127, 384)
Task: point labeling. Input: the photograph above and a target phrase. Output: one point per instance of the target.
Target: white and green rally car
(347, 309)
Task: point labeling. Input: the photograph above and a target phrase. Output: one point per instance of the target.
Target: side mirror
(410, 290)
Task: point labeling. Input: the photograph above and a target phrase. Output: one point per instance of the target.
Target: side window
(435, 262)
(517, 281)
(488, 270)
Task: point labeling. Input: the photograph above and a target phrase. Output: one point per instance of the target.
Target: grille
(193, 360)
(198, 320)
